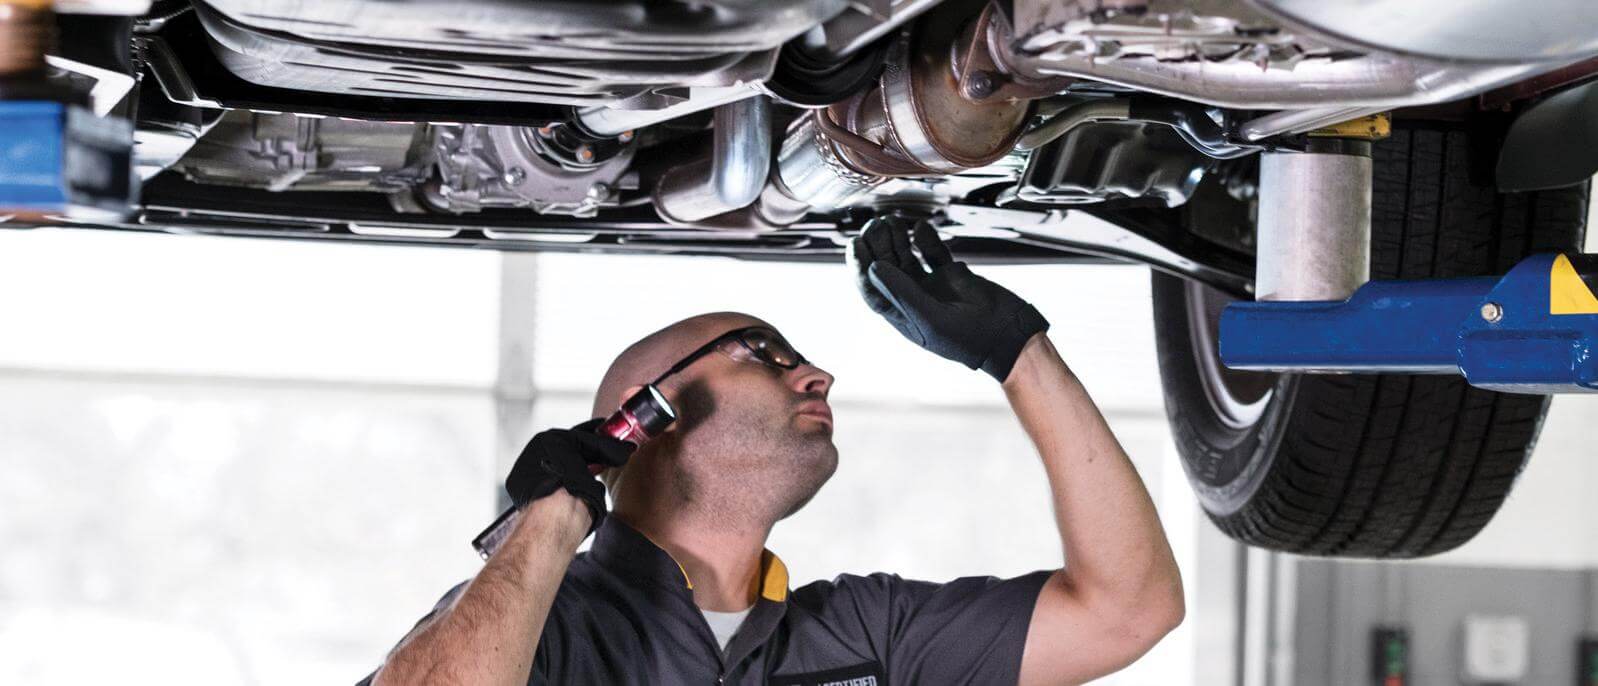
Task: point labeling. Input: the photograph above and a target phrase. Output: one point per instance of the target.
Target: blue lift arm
(1532, 330)
(62, 160)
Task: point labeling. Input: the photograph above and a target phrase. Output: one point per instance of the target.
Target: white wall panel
(237, 307)
(161, 532)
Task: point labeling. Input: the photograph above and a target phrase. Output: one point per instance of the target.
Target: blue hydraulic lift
(1532, 330)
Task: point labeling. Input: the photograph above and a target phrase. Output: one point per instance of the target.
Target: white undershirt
(725, 624)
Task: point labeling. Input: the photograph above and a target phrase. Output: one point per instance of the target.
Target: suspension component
(1314, 222)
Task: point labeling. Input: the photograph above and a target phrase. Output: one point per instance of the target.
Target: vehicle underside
(1266, 149)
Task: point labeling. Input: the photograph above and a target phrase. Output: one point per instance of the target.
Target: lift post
(1533, 330)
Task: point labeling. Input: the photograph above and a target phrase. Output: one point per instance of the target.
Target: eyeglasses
(757, 344)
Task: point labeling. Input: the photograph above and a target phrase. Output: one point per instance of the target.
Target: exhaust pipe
(734, 174)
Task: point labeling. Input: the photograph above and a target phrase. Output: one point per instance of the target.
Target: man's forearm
(1115, 548)
(490, 633)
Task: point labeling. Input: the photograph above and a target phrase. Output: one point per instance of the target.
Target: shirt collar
(626, 551)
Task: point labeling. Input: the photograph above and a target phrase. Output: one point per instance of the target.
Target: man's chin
(809, 491)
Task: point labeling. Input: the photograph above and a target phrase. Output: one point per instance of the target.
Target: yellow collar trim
(773, 577)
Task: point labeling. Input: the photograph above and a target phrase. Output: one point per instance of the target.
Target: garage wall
(235, 461)
(216, 531)
(1340, 605)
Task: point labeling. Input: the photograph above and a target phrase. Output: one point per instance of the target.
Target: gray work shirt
(625, 614)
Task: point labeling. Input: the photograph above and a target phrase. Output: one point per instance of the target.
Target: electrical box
(1587, 661)
(1496, 649)
(1390, 656)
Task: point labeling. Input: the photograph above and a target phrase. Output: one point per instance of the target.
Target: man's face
(755, 439)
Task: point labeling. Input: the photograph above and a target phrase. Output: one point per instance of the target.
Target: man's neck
(722, 564)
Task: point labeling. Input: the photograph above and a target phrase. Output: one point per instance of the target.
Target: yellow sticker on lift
(1567, 292)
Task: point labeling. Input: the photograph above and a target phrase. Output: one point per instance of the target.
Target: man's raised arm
(489, 633)
(1119, 591)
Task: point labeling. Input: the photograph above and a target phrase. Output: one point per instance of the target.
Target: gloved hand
(949, 310)
(559, 458)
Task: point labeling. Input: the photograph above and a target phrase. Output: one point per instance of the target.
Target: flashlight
(643, 416)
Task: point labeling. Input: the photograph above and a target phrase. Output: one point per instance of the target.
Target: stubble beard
(744, 470)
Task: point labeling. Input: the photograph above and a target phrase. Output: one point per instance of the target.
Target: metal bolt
(585, 154)
(980, 85)
(598, 191)
(1492, 312)
(625, 136)
(514, 176)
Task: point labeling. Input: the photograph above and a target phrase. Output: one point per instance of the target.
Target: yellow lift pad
(1568, 293)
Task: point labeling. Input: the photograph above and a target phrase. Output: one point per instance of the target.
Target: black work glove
(559, 458)
(949, 310)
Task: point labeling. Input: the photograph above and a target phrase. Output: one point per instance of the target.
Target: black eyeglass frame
(737, 335)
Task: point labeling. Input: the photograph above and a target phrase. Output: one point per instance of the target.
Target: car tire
(1367, 465)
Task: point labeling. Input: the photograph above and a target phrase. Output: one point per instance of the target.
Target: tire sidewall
(1224, 465)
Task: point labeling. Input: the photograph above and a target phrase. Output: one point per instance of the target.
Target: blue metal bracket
(1533, 330)
(58, 159)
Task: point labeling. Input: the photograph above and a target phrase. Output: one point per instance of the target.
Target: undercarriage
(768, 130)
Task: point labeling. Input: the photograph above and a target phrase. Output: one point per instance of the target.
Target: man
(678, 588)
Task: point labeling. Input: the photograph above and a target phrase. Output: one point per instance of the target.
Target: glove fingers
(879, 237)
(935, 301)
(525, 472)
(903, 257)
(932, 248)
(903, 294)
(601, 449)
(954, 282)
(530, 478)
(861, 257)
(592, 493)
(559, 458)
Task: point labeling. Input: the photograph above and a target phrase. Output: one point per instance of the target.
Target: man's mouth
(817, 409)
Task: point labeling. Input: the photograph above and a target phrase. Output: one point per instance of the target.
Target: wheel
(1366, 465)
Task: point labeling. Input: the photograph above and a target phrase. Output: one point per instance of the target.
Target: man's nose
(812, 380)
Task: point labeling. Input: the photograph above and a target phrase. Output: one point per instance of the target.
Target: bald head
(641, 362)
(749, 446)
